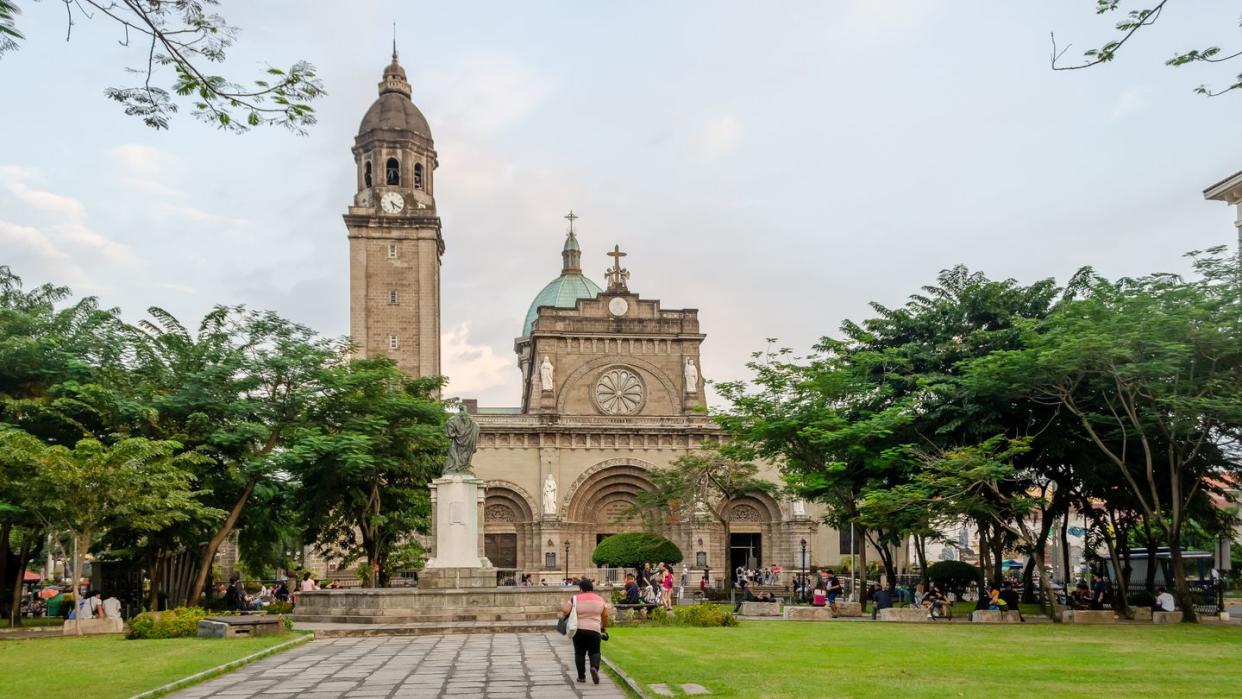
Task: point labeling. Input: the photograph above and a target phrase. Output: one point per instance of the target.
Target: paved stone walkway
(536, 665)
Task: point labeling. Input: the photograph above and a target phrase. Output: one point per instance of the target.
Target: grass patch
(111, 666)
(777, 659)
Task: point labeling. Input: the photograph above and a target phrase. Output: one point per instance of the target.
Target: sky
(777, 166)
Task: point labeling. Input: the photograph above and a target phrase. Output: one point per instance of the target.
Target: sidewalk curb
(629, 681)
(226, 667)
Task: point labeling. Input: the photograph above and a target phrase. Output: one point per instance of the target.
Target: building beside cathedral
(611, 383)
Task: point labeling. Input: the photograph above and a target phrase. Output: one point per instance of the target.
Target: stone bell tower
(394, 233)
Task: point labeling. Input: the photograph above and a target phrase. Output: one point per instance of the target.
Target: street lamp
(802, 573)
(567, 559)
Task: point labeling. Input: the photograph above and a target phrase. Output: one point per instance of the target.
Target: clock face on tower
(392, 203)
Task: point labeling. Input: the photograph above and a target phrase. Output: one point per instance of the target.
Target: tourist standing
(592, 623)
(833, 590)
(666, 588)
(1099, 593)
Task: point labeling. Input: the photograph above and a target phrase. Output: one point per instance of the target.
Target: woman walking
(666, 588)
(592, 622)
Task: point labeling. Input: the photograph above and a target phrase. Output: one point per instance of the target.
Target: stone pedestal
(457, 522)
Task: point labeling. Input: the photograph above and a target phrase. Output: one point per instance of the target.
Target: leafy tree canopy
(632, 549)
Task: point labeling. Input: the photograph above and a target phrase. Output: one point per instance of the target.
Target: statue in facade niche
(799, 507)
(545, 373)
(549, 495)
(463, 434)
(692, 377)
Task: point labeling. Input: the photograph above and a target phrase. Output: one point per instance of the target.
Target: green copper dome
(565, 290)
(562, 292)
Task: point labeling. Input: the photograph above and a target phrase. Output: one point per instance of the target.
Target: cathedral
(611, 383)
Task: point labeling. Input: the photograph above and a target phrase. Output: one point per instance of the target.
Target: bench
(1141, 613)
(1088, 616)
(239, 626)
(93, 626)
(807, 613)
(761, 609)
(1166, 617)
(903, 614)
(995, 616)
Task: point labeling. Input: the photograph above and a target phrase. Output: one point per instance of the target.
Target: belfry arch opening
(392, 173)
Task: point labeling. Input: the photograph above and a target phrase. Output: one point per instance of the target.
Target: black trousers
(586, 642)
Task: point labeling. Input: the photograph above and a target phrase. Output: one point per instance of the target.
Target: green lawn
(790, 659)
(111, 666)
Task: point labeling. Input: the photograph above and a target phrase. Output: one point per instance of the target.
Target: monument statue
(463, 434)
(549, 495)
(692, 377)
(545, 374)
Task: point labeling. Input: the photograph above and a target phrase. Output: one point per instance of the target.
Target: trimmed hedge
(953, 575)
(632, 549)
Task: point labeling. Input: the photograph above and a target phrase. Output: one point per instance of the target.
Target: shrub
(953, 575)
(279, 608)
(703, 615)
(632, 549)
(181, 622)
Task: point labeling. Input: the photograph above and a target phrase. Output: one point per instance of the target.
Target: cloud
(145, 169)
(488, 93)
(719, 136)
(473, 369)
(53, 234)
(46, 201)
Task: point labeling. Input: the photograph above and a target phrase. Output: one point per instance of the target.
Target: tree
(1150, 369)
(953, 575)
(372, 442)
(702, 485)
(1134, 22)
(184, 37)
(138, 483)
(633, 549)
(233, 392)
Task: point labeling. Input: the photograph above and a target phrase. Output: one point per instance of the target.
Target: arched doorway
(752, 533)
(508, 519)
(599, 504)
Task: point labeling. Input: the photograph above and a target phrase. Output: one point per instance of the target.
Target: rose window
(619, 392)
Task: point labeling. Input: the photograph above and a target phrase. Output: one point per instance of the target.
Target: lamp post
(802, 573)
(567, 559)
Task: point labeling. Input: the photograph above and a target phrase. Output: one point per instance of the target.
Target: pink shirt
(668, 581)
(590, 611)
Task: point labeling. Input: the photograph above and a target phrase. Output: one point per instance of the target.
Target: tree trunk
(985, 555)
(80, 544)
(5, 532)
(15, 608)
(728, 563)
(920, 551)
(1065, 552)
(862, 565)
(1153, 546)
(209, 553)
(998, 557)
(153, 595)
(1028, 580)
(1120, 602)
(1045, 587)
(1179, 576)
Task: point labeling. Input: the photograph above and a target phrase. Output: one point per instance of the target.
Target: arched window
(418, 175)
(393, 172)
(392, 297)
(366, 175)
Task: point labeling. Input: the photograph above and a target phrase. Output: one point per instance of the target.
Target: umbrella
(1011, 563)
(31, 577)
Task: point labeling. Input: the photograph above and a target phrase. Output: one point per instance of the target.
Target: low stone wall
(849, 609)
(990, 616)
(761, 609)
(1088, 616)
(903, 614)
(1141, 613)
(406, 605)
(808, 613)
(93, 626)
(1166, 617)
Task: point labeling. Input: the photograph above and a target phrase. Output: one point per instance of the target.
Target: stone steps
(356, 630)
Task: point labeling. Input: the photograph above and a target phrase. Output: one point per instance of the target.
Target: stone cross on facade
(617, 277)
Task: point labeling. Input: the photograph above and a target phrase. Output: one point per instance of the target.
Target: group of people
(237, 598)
(656, 583)
(1093, 597)
(757, 576)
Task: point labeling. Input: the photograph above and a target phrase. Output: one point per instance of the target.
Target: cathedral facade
(611, 383)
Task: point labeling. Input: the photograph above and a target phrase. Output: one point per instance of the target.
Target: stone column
(457, 522)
